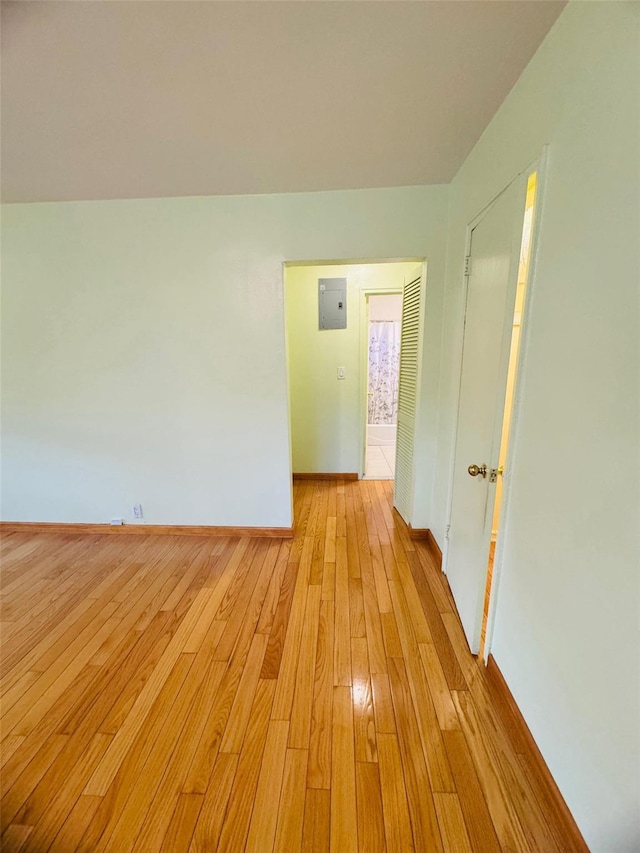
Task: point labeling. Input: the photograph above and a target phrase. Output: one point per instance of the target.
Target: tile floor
(381, 462)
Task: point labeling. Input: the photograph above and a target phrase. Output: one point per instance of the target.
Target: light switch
(341, 373)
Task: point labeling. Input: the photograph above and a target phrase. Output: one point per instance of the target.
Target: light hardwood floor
(182, 693)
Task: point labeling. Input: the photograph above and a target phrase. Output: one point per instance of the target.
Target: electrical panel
(332, 303)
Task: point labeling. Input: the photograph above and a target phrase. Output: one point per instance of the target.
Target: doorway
(497, 269)
(384, 320)
(507, 414)
(327, 367)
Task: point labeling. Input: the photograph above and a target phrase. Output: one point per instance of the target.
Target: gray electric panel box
(332, 303)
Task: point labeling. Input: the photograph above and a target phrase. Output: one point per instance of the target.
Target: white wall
(144, 353)
(566, 621)
(327, 414)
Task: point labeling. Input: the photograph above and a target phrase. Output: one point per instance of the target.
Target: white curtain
(384, 366)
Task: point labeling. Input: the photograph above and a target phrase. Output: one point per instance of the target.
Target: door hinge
(467, 265)
(446, 532)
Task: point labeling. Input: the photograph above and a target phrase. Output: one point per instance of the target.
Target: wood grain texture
(566, 833)
(72, 528)
(351, 475)
(397, 825)
(434, 549)
(183, 821)
(344, 829)
(371, 835)
(451, 821)
(317, 818)
(418, 532)
(202, 693)
(319, 773)
(264, 817)
(238, 815)
(291, 810)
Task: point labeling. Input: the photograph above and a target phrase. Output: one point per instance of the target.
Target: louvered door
(408, 394)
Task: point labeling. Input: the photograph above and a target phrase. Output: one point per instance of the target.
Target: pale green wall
(144, 351)
(143, 360)
(327, 413)
(566, 623)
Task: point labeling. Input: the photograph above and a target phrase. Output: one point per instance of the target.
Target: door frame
(539, 165)
(364, 365)
(322, 262)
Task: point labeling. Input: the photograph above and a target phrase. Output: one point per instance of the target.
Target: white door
(410, 356)
(491, 289)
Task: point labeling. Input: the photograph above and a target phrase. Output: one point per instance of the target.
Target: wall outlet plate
(137, 510)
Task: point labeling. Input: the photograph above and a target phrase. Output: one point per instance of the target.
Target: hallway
(188, 693)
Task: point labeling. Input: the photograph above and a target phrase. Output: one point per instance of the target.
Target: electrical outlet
(116, 521)
(137, 511)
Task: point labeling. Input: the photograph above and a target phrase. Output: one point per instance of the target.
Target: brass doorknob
(476, 470)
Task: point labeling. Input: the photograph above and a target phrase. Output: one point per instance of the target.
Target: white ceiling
(146, 99)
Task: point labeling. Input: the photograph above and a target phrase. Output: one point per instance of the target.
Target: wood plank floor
(201, 694)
